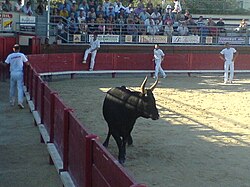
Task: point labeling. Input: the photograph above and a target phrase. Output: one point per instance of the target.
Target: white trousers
(159, 68)
(93, 55)
(16, 79)
(228, 68)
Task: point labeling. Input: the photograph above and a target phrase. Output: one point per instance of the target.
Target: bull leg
(106, 142)
(121, 147)
(130, 140)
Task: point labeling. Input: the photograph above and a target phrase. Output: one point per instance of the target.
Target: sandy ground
(201, 140)
(24, 161)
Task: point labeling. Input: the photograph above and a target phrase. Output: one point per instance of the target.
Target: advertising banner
(27, 23)
(6, 22)
(232, 40)
(153, 39)
(185, 39)
(107, 38)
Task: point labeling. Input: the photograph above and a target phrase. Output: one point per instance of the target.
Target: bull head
(151, 88)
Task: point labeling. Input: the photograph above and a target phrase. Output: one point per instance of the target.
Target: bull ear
(143, 85)
(154, 85)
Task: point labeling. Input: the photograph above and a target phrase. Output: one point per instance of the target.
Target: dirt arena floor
(201, 139)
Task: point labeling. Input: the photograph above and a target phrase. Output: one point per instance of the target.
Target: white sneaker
(84, 62)
(90, 69)
(164, 76)
(20, 105)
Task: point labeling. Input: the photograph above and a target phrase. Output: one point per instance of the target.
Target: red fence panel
(242, 62)
(77, 151)
(39, 96)
(176, 62)
(47, 108)
(106, 171)
(59, 125)
(133, 61)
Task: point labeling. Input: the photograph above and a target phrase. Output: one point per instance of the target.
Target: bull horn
(154, 85)
(143, 85)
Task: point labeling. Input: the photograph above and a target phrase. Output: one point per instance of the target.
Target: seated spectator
(7, 6)
(65, 5)
(159, 26)
(118, 6)
(182, 29)
(212, 27)
(18, 6)
(91, 14)
(72, 27)
(106, 4)
(192, 26)
(150, 26)
(141, 4)
(27, 9)
(100, 21)
(74, 7)
(131, 28)
(60, 28)
(149, 7)
(139, 9)
(110, 25)
(84, 5)
(100, 10)
(81, 15)
(177, 9)
(187, 14)
(92, 4)
(110, 12)
(169, 15)
(72, 16)
(168, 29)
(242, 27)
(92, 27)
(149, 4)
(83, 27)
(40, 8)
(64, 12)
(155, 15)
(144, 15)
(221, 26)
(200, 22)
(140, 25)
(120, 24)
(159, 8)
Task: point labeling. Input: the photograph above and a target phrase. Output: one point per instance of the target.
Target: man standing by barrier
(94, 46)
(229, 55)
(16, 61)
(158, 58)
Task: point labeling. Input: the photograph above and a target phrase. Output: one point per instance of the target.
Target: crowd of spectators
(25, 8)
(143, 19)
(88, 16)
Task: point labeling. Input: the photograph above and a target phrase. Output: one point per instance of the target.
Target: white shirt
(228, 53)
(16, 61)
(158, 54)
(94, 44)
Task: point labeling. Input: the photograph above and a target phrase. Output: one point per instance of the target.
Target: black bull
(121, 108)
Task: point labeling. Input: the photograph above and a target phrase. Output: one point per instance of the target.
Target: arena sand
(202, 138)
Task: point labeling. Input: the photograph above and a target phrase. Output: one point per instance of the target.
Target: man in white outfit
(94, 46)
(229, 55)
(158, 58)
(16, 61)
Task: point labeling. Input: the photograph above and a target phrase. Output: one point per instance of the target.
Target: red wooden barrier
(105, 167)
(59, 125)
(77, 151)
